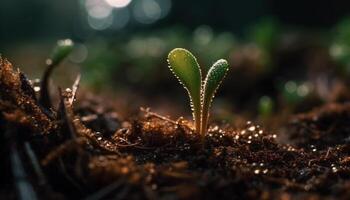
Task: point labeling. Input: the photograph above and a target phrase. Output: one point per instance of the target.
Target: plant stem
(44, 98)
(204, 117)
(197, 116)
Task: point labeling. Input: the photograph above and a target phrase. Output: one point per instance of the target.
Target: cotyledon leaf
(211, 83)
(185, 67)
(62, 49)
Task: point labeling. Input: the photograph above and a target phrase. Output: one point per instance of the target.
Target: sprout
(185, 67)
(266, 106)
(60, 51)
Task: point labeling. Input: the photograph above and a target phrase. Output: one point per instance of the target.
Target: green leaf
(61, 50)
(185, 67)
(211, 83)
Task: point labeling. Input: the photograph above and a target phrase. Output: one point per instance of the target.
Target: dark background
(310, 39)
(40, 19)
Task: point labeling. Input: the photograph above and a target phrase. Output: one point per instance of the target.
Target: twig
(328, 151)
(35, 163)
(24, 188)
(153, 114)
(75, 88)
(65, 115)
(67, 146)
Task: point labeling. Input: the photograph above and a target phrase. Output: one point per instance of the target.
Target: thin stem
(44, 98)
(204, 116)
(197, 117)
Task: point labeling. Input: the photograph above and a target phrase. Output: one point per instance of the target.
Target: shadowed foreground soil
(84, 150)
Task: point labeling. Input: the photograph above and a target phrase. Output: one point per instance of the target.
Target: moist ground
(84, 150)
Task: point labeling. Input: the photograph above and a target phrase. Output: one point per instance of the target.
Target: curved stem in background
(61, 51)
(44, 98)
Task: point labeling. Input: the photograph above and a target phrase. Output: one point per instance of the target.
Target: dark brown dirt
(324, 127)
(88, 151)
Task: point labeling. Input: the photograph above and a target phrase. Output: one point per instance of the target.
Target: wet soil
(85, 150)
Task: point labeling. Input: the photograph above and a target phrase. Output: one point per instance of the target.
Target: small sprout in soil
(186, 68)
(266, 106)
(60, 52)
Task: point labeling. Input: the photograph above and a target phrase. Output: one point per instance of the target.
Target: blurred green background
(280, 52)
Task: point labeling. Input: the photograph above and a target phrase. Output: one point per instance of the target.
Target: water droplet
(290, 149)
(237, 137)
(36, 88)
(249, 141)
(261, 132)
(252, 128)
(256, 135)
(257, 171)
(250, 137)
(313, 148)
(99, 138)
(274, 136)
(265, 171)
(334, 169)
(243, 132)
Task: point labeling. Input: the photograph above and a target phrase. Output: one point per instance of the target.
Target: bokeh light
(79, 54)
(118, 3)
(121, 17)
(116, 14)
(100, 23)
(203, 35)
(147, 11)
(97, 9)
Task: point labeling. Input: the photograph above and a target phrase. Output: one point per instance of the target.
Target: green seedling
(186, 68)
(60, 51)
(265, 106)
